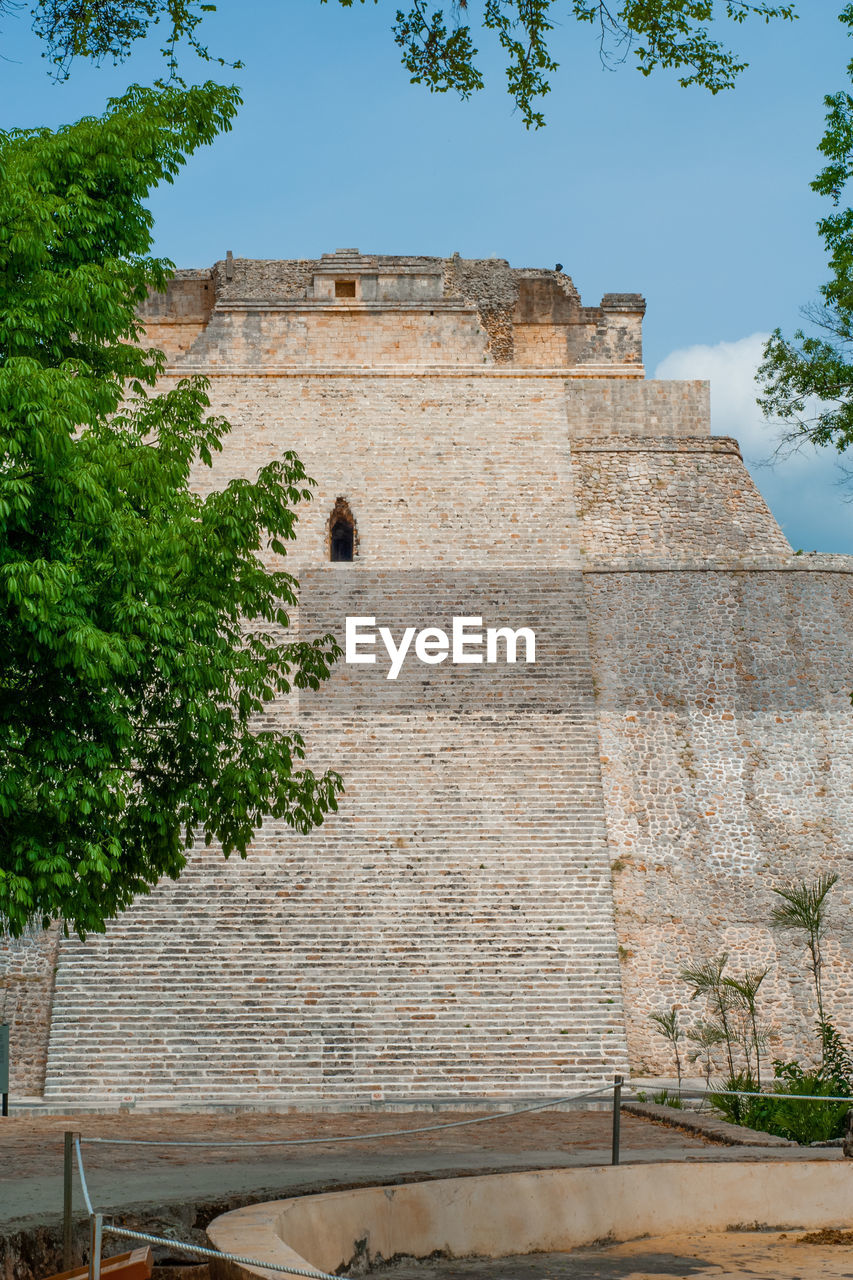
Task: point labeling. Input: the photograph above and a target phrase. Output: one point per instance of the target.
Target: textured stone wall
(27, 967)
(725, 723)
(448, 933)
(542, 346)
(636, 411)
(271, 280)
(480, 310)
(673, 501)
(340, 334)
(458, 472)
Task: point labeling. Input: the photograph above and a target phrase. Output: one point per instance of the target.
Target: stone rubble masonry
(27, 969)
(667, 499)
(505, 893)
(724, 717)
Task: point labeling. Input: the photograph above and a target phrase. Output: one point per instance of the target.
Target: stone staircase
(449, 933)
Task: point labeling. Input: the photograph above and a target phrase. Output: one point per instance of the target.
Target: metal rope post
(617, 1103)
(96, 1231)
(4, 1068)
(67, 1201)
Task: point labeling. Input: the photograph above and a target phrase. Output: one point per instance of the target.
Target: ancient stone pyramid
(521, 864)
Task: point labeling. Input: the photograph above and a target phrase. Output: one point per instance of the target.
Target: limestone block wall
(725, 723)
(457, 471)
(270, 279)
(450, 931)
(541, 346)
(636, 410)
(190, 297)
(554, 336)
(518, 870)
(27, 967)
(175, 319)
(346, 333)
(468, 873)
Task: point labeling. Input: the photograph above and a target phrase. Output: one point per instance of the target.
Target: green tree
(731, 1021)
(140, 631)
(439, 51)
(666, 34)
(107, 29)
(807, 381)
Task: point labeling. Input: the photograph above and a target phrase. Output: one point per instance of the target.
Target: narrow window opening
(344, 288)
(342, 541)
(342, 533)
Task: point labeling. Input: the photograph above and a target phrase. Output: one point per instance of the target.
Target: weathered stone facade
(517, 870)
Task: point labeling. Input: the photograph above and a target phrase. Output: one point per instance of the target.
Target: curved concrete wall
(547, 1210)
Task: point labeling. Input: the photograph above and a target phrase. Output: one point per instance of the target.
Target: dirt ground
(34, 1145)
(746, 1255)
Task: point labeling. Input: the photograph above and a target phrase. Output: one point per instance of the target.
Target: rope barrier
(82, 1173)
(215, 1253)
(203, 1252)
(741, 1093)
(352, 1137)
(199, 1250)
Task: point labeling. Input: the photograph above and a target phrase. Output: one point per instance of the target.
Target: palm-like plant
(667, 1025)
(745, 990)
(804, 910)
(706, 1036)
(706, 979)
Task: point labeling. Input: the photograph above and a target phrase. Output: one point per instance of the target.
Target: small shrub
(802, 1122)
(807, 1122)
(837, 1063)
(667, 1099)
(666, 1025)
(730, 1024)
(754, 1113)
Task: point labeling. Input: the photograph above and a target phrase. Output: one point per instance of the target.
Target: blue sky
(701, 203)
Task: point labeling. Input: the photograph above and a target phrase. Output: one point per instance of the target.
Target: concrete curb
(732, 1135)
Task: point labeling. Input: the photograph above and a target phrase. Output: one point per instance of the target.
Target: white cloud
(804, 490)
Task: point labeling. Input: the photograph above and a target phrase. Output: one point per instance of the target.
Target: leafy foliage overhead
(668, 34)
(807, 381)
(101, 29)
(438, 50)
(140, 629)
